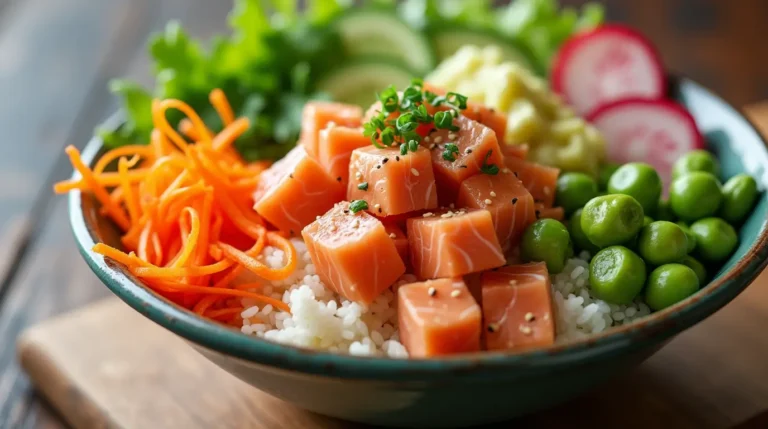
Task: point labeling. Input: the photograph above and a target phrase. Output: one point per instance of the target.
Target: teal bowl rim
(480, 366)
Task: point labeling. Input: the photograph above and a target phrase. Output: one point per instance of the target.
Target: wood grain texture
(108, 366)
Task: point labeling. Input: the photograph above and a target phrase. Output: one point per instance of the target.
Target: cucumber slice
(380, 33)
(359, 81)
(448, 40)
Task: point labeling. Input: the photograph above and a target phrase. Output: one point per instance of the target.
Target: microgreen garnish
(491, 169)
(402, 115)
(450, 152)
(358, 205)
(363, 186)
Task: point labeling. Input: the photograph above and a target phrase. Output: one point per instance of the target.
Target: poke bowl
(411, 379)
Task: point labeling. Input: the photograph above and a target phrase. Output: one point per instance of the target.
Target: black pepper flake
(469, 151)
(291, 175)
(492, 110)
(338, 179)
(379, 209)
(463, 166)
(397, 158)
(516, 175)
(491, 328)
(432, 130)
(538, 214)
(291, 231)
(385, 160)
(346, 211)
(378, 166)
(514, 200)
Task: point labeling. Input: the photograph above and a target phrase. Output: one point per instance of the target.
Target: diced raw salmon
(556, 213)
(295, 190)
(477, 145)
(335, 149)
(395, 183)
(319, 114)
(400, 239)
(519, 151)
(540, 180)
(353, 253)
(453, 243)
(479, 112)
(504, 196)
(517, 307)
(438, 317)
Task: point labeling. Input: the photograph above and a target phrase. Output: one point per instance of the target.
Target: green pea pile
(643, 245)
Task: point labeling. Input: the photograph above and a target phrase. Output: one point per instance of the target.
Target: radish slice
(654, 131)
(606, 64)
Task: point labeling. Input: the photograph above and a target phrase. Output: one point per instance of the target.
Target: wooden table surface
(56, 57)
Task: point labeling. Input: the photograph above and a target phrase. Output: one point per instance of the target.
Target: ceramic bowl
(469, 389)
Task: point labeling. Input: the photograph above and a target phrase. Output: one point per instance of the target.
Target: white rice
(321, 319)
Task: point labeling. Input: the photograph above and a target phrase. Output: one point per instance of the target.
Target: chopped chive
(490, 169)
(363, 186)
(358, 205)
(413, 146)
(403, 149)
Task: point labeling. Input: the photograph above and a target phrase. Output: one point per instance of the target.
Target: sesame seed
(529, 317)
(426, 139)
(291, 175)
(358, 175)
(525, 330)
(468, 151)
(392, 235)
(331, 124)
(428, 214)
(493, 194)
(333, 228)
(431, 291)
(378, 166)
(452, 136)
(547, 190)
(414, 171)
(438, 139)
(376, 206)
(356, 223)
(317, 217)
(455, 293)
(397, 158)
(446, 215)
(492, 327)
(487, 201)
(512, 282)
(432, 146)
(506, 170)
(385, 160)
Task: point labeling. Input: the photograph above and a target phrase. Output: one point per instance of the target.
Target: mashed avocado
(536, 115)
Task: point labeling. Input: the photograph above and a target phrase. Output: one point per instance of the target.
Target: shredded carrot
(184, 205)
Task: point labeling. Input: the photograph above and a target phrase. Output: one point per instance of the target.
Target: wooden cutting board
(107, 366)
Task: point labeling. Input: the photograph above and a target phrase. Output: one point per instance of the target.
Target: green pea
(697, 160)
(697, 267)
(574, 190)
(605, 172)
(695, 195)
(547, 240)
(715, 239)
(689, 235)
(670, 284)
(616, 275)
(580, 239)
(664, 211)
(611, 219)
(640, 181)
(662, 242)
(739, 195)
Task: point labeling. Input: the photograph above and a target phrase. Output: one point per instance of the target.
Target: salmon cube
(401, 240)
(477, 145)
(437, 318)
(487, 116)
(353, 253)
(504, 196)
(453, 243)
(540, 180)
(294, 191)
(556, 213)
(519, 151)
(317, 115)
(391, 183)
(335, 148)
(517, 307)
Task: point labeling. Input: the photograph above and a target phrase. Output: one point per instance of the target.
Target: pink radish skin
(657, 132)
(609, 63)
